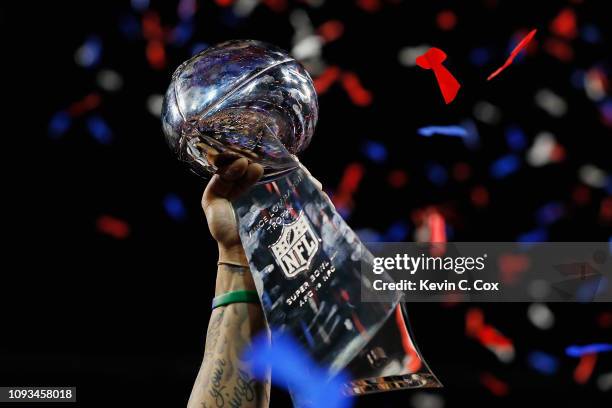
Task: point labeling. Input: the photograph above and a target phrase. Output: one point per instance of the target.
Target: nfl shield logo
(295, 247)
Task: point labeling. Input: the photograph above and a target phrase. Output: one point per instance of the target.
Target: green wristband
(238, 296)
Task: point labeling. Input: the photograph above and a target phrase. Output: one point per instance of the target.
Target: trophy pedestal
(306, 263)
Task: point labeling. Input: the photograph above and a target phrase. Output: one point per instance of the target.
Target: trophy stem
(306, 264)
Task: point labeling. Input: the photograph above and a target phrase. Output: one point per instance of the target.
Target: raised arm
(224, 379)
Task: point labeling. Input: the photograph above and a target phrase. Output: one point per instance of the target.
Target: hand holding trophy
(250, 99)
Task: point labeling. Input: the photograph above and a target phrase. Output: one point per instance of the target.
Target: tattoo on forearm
(235, 268)
(217, 388)
(244, 390)
(224, 382)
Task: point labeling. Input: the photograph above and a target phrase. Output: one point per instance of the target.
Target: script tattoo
(224, 380)
(217, 383)
(244, 390)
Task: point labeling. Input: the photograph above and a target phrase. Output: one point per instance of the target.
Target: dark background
(124, 319)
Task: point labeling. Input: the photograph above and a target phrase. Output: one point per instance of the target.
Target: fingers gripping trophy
(250, 99)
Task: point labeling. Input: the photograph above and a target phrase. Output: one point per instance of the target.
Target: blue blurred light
(505, 166)
(538, 235)
(368, 235)
(59, 124)
(129, 26)
(589, 289)
(99, 129)
(182, 33)
(436, 173)
(140, 5)
(186, 9)
(174, 207)
(375, 151)
(577, 79)
(398, 231)
(590, 33)
(90, 53)
(550, 212)
(543, 362)
(516, 138)
(480, 56)
(198, 47)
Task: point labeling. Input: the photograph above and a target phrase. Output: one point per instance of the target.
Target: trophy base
(390, 383)
(383, 366)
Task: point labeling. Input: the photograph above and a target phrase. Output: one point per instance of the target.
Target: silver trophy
(251, 99)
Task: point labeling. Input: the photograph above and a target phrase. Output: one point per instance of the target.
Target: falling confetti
(432, 59)
(294, 370)
(519, 47)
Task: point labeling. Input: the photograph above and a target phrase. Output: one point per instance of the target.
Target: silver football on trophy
(240, 97)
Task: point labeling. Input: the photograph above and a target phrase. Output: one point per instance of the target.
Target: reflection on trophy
(252, 99)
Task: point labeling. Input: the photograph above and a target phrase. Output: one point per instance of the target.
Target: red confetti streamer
(326, 79)
(356, 92)
(564, 24)
(585, 367)
(86, 104)
(474, 322)
(331, 30)
(491, 337)
(348, 185)
(433, 59)
(112, 226)
(519, 47)
(437, 227)
(486, 335)
(494, 384)
(352, 177)
(414, 363)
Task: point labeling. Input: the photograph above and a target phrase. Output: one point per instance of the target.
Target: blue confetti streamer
(309, 384)
(579, 351)
(456, 131)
